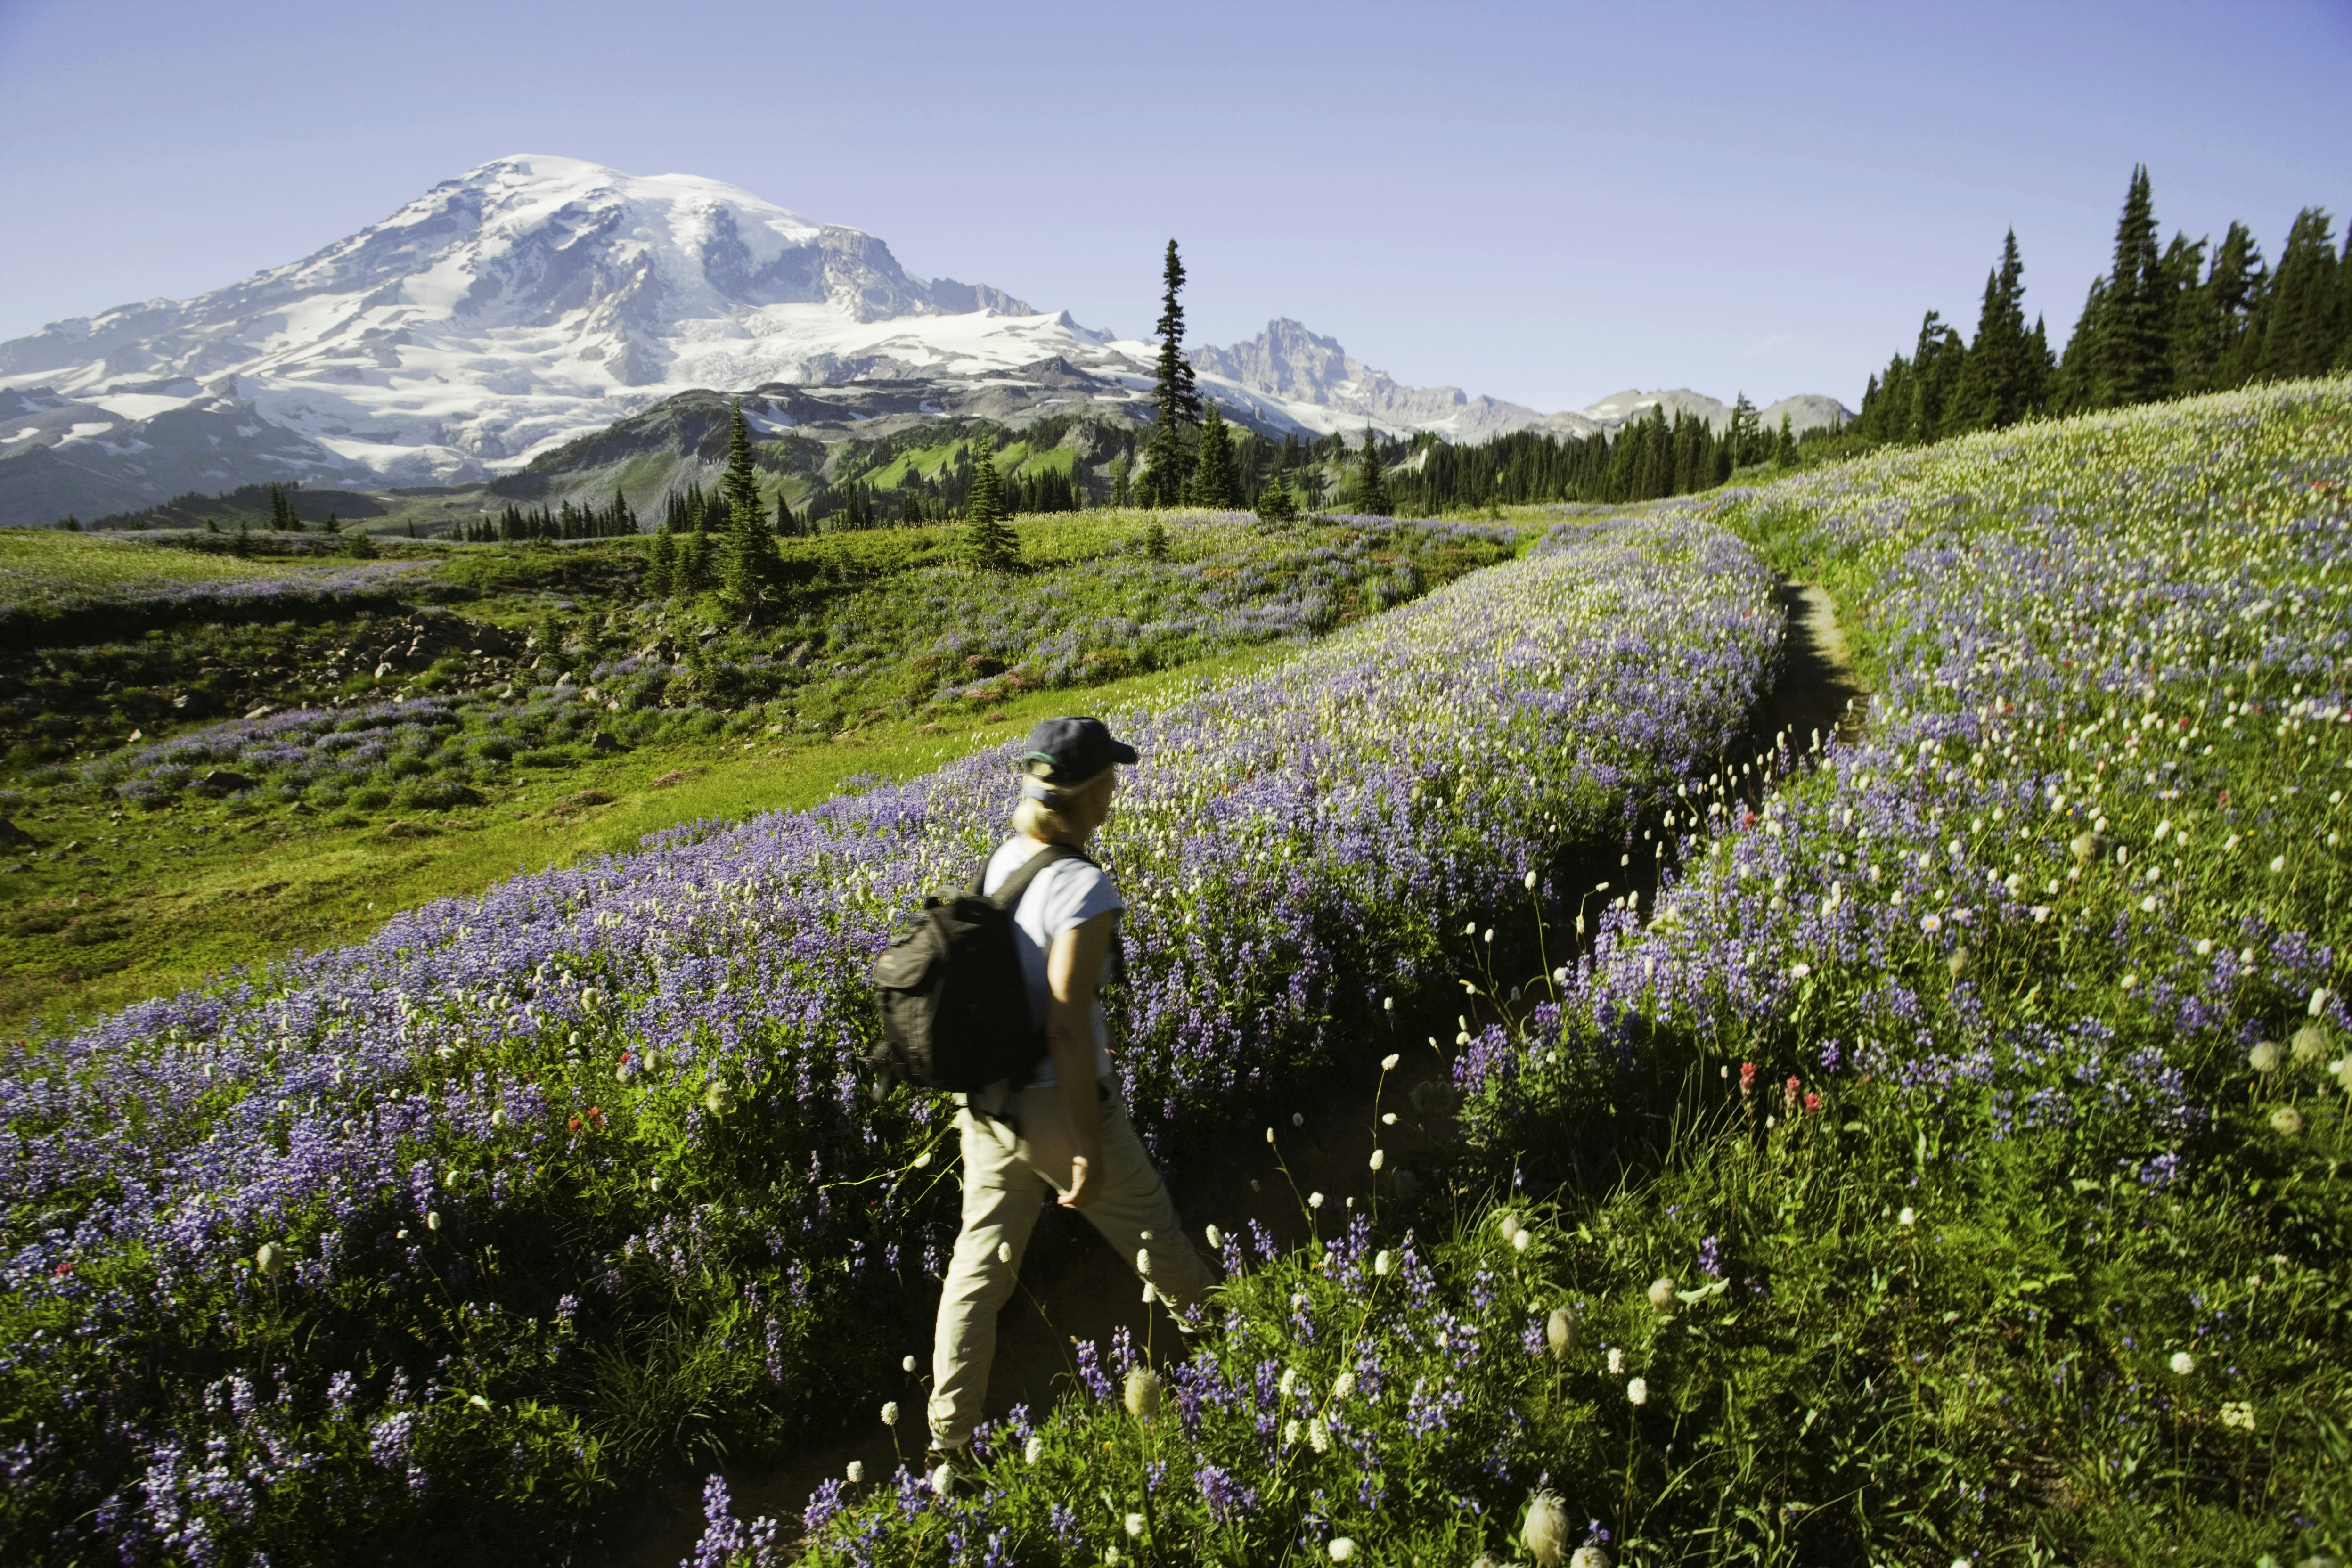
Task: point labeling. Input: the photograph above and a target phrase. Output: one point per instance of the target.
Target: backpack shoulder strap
(1008, 897)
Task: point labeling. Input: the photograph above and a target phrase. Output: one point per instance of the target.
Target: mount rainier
(539, 299)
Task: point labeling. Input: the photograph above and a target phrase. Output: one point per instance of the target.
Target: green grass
(203, 887)
(39, 563)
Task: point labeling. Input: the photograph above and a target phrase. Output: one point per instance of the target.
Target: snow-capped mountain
(536, 300)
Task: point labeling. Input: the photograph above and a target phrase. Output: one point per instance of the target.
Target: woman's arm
(1073, 967)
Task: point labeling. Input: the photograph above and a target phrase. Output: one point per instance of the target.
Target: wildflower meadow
(1945, 1168)
(436, 1242)
(1918, 1144)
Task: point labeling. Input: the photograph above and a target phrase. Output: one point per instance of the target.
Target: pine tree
(987, 537)
(1155, 540)
(661, 564)
(1994, 386)
(1372, 481)
(333, 523)
(1175, 398)
(689, 575)
(1214, 484)
(362, 545)
(2128, 357)
(1784, 446)
(787, 525)
(1276, 503)
(747, 560)
(2300, 328)
(1744, 438)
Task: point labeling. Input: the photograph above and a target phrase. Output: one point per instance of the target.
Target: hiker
(1065, 1130)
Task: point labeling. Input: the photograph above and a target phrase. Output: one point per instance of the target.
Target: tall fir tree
(1214, 480)
(2128, 348)
(1744, 438)
(748, 551)
(2299, 328)
(988, 538)
(2210, 340)
(1175, 397)
(1998, 382)
(1372, 480)
(661, 564)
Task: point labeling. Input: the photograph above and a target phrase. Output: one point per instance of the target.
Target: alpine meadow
(1717, 984)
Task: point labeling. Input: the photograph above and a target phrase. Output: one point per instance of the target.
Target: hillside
(209, 759)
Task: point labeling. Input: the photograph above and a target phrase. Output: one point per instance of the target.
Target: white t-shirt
(1062, 897)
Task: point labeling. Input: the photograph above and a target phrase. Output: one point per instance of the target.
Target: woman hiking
(1065, 1132)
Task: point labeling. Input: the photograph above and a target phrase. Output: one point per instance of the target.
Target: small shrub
(371, 797)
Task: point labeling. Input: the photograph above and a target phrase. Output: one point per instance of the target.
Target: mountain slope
(536, 300)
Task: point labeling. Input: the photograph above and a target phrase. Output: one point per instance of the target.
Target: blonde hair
(1056, 818)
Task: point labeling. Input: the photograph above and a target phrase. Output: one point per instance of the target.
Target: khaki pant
(1013, 1162)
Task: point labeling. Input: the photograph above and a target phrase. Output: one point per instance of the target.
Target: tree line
(615, 519)
(2188, 316)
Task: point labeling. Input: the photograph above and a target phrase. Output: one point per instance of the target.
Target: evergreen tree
(1276, 503)
(362, 545)
(1120, 495)
(1745, 438)
(1155, 540)
(2209, 343)
(1372, 480)
(1784, 446)
(661, 564)
(1175, 398)
(987, 536)
(787, 525)
(2127, 344)
(1214, 484)
(748, 558)
(690, 575)
(333, 523)
(2300, 328)
(1997, 381)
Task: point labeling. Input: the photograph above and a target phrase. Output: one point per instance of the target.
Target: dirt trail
(1074, 1287)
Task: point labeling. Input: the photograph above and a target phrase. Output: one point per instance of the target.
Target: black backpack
(955, 1006)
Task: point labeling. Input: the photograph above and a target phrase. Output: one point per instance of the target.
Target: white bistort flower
(1559, 1332)
(1034, 1451)
(1546, 1530)
(1662, 1293)
(1143, 1389)
(1637, 1391)
(889, 1413)
(1341, 1549)
(2183, 1364)
(855, 1471)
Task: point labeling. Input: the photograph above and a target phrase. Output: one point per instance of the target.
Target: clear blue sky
(1542, 202)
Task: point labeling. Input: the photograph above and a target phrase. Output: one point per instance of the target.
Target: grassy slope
(206, 890)
(168, 898)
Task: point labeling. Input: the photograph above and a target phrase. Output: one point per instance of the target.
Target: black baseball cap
(1075, 749)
